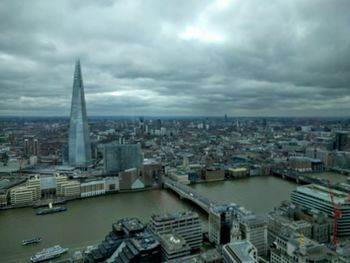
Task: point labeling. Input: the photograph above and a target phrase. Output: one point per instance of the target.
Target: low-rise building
(92, 188)
(237, 172)
(21, 195)
(300, 249)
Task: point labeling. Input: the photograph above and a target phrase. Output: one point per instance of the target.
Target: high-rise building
(35, 147)
(341, 141)
(120, 157)
(26, 147)
(79, 136)
(220, 223)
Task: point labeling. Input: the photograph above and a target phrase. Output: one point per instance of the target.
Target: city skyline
(203, 58)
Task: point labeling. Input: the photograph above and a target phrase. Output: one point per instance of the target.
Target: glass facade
(79, 135)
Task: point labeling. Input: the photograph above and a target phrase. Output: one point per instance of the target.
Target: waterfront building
(237, 172)
(3, 197)
(317, 197)
(120, 157)
(70, 189)
(21, 195)
(112, 184)
(239, 252)
(92, 188)
(130, 179)
(220, 222)
(186, 224)
(151, 172)
(35, 184)
(173, 246)
(79, 149)
(211, 175)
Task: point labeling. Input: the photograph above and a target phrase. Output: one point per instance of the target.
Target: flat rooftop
(240, 248)
(322, 192)
(174, 216)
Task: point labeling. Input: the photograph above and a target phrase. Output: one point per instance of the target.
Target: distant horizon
(176, 117)
(194, 58)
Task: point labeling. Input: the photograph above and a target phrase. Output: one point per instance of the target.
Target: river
(87, 221)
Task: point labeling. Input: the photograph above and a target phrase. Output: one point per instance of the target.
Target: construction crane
(336, 214)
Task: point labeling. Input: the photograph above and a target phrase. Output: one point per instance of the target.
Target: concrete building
(255, 231)
(342, 141)
(128, 242)
(298, 248)
(112, 184)
(214, 175)
(173, 246)
(70, 189)
(237, 172)
(317, 197)
(79, 136)
(120, 157)
(185, 224)
(239, 252)
(21, 195)
(131, 179)
(151, 173)
(220, 222)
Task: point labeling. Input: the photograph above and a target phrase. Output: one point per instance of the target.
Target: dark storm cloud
(176, 57)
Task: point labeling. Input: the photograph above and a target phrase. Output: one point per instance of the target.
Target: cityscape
(180, 161)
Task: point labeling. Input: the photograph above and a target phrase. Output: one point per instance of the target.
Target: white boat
(48, 253)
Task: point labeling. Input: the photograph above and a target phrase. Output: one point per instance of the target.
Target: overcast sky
(180, 57)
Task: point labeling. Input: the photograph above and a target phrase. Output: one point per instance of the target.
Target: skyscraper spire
(79, 135)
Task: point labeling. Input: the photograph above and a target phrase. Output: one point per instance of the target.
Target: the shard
(79, 136)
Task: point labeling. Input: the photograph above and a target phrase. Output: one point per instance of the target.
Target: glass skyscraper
(79, 136)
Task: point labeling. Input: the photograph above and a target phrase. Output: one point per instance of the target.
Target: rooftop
(173, 216)
(322, 192)
(173, 242)
(241, 248)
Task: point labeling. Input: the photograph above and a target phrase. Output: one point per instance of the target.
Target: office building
(342, 141)
(239, 252)
(120, 157)
(173, 246)
(21, 195)
(255, 231)
(220, 223)
(35, 147)
(185, 224)
(301, 249)
(128, 242)
(92, 188)
(79, 148)
(26, 147)
(317, 197)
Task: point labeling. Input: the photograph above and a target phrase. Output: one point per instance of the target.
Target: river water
(87, 221)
